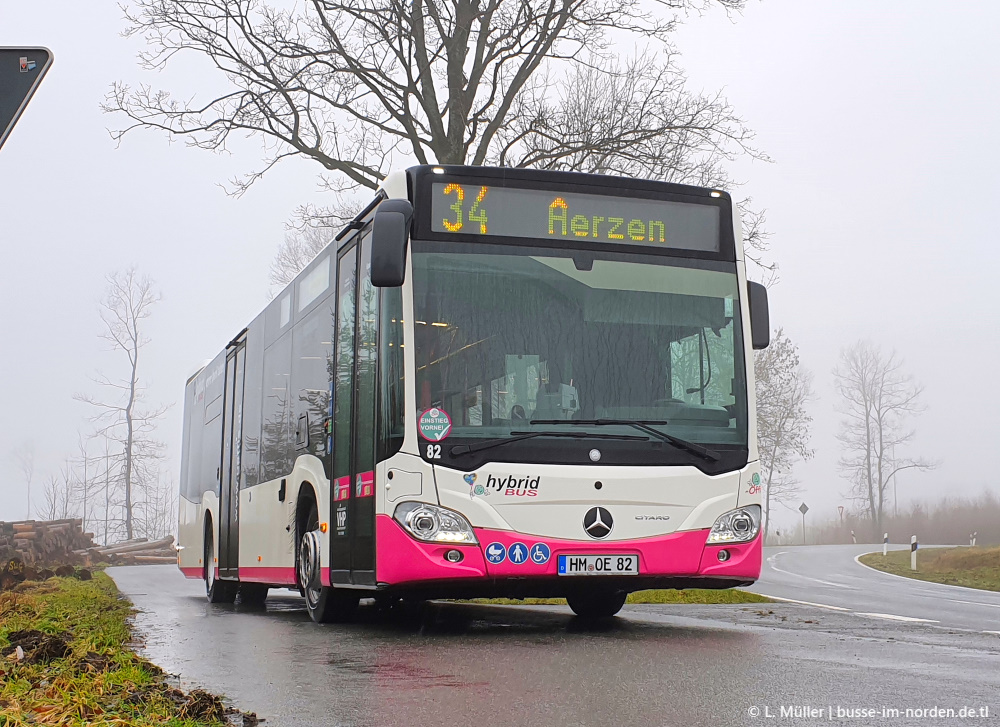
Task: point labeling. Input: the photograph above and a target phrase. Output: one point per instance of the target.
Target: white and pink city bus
(493, 382)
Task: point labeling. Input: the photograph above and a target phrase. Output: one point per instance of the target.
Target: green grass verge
(75, 666)
(691, 595)
(970, 567)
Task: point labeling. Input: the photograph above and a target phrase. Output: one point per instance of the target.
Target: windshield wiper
(643, 425)
(460, 449)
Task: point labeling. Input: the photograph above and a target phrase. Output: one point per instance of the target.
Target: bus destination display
(476, 209)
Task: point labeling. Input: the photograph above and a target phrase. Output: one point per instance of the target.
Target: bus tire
(216, 590)
(597, 604)
(324, 603)
(253, 594)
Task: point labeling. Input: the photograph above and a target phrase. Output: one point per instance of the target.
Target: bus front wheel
(217, 591)
(597, 604)
(324, 603)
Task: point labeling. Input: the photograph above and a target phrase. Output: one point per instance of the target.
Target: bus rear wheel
(324, 603)
(217, 591)
(597, 604)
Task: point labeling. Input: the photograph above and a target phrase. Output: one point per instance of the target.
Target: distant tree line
(949, 521)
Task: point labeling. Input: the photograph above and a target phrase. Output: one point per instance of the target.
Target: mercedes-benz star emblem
(598, 522)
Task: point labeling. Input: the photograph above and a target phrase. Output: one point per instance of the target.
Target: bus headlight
(433, 524)
(736, 526)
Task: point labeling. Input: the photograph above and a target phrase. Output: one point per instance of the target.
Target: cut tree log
(137, 547)
(123, 543)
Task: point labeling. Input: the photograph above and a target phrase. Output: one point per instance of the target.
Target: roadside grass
(74, 665)
(690, 595)
(970, 567)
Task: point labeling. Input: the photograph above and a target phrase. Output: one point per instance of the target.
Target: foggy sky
(881, 119)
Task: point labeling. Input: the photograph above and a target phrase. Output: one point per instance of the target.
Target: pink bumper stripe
(278, 576)
(401, 559)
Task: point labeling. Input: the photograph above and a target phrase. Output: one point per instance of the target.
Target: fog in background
(881, 119)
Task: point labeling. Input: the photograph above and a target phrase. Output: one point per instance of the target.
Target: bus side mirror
(390, 232)
(760, 322)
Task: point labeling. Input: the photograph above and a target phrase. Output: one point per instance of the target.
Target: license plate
(598, 565)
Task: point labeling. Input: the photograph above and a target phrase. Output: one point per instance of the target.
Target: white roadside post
(913, 552)
(885, 544)
(974, 538)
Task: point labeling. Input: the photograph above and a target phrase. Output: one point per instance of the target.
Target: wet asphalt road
(829, 576)
(456, 664)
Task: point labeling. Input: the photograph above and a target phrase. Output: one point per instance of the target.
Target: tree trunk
(130, 441)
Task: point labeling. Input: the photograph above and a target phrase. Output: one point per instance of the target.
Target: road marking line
(805, 603)
(892, 617)
(976, 603)
(770, 562)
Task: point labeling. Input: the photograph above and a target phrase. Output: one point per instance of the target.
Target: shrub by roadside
(65, 660)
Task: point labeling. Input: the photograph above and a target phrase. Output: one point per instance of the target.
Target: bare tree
(159, 509)
(60, 501)
(87, 486)
(356, 85)
(877, 400)
(784, 388)
(24, 456)
(121, 418)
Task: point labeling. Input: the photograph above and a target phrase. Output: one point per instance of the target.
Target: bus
(493, 382)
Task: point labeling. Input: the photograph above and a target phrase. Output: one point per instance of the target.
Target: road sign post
(803, 508)
(21, 71)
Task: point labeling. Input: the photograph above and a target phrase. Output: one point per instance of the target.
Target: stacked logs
(63, 542)
(44, 542)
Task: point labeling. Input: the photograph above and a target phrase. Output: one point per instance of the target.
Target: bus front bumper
(677, 560)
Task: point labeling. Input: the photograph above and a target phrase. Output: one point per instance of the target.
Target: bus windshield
(510, 334)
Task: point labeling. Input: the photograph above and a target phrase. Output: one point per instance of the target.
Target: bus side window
(391, 401)
(277, 451)
(367, 359)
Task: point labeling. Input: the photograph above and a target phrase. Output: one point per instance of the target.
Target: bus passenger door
(366, 382)
(352, 548)
(232, 445)
(343, 411)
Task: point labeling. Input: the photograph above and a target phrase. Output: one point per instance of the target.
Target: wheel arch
(310, 482)
(307, 496)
